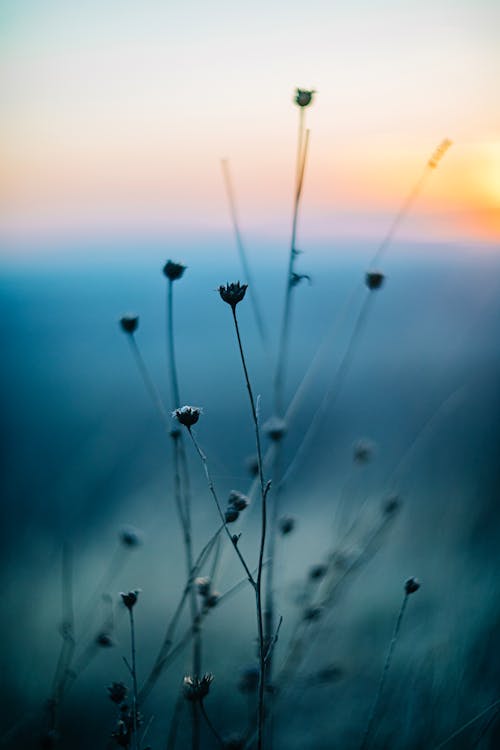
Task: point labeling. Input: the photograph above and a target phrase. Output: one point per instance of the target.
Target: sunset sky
(115, 115)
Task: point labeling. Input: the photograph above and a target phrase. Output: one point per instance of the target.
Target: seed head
(363, 451)
(130, 598)
(117, 692)
(391, 504)
(196, 689)
(411, 585)
(203, 584)
(374, 279)
(129, 323)
(238, 500)
(286, 524)
(233, 293)
(173, 271)
(231, 515)
(303, 98)
(187, 415)
(104, 640)
(130, 537)
(317, 572)
(275, 428)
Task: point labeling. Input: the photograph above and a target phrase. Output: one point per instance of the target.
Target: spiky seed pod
(129, 323)
(233, 293)
(374, 280)
(303, 97)
(187, 415)
(130, 598)
(411, 585)
(196, 689)
(173, 271)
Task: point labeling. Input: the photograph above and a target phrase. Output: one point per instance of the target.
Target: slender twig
(274, 641)
(242, 252)
(211, 726)
(383, 676)
(264, 489)
(175, 721)
(133, 669)
(148, 382)
(211, 488)
(467, 724)
(169, 635)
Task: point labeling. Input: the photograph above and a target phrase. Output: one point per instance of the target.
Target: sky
(115, 116)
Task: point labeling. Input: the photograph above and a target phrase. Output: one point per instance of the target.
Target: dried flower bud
(104, 640)
(374, 279)
(252, 465)
(286, 524)
(212, 599)
(117, 692)
(130, 598)
(130, 537)
(317, 572)
(391, 504)
(249, 680)
(275, 428)
(203, 585)
(439, 153)
(363, 451)
(411, 586)
(238, 500)
(231, 515)
(303, 98)
(173, 271)
(312, 614)
(129, 323)
(233, 293)
(235, 538)
(197, 689)
(187, 415)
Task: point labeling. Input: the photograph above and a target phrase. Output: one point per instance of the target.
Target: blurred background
(115, 118)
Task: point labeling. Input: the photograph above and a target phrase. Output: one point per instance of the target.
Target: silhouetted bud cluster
(173, 271)
(411, 585)
(237, 502)
(129, 323)
(374, 279)
(197, 689)
(286, 524)
(233, 293)
(130, 598)
(187, 415)
(303, 97)
(210, 597)
(130, 537)
(117, 692)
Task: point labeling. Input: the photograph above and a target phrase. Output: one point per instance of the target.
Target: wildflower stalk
(264, 491)
(148, 382)
(210, 725)
(169, 635)
(468, 724)
(183, 497)
(242, 252)
(134, 677)
(211, 488)
(410, 587)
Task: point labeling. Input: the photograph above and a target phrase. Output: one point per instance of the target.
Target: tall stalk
(182, 491)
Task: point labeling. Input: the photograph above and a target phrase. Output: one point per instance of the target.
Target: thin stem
(184, 510)
(264, 490)
(148, 382)
(134, 678)
(168, 639)
(242, 252)
(174, 723)
(283, 345)
(211, 488)
(211, 726)
(467, 724)
(383, 676)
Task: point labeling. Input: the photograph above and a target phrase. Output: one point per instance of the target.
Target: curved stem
(211, 726)
(211, 488)
(383, 676)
